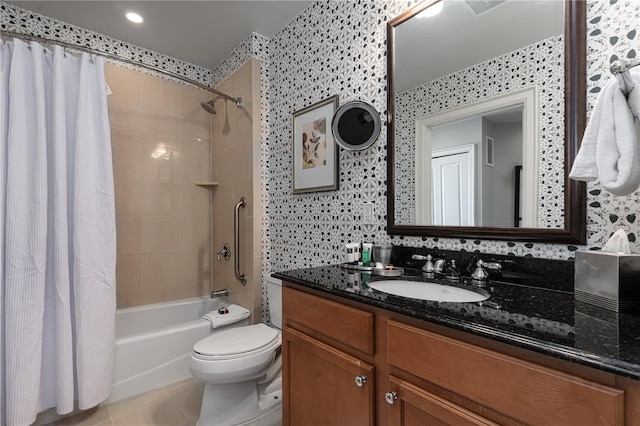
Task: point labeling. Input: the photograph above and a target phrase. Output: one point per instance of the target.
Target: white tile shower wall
(16, 19)
(539, 66)
(339, 47)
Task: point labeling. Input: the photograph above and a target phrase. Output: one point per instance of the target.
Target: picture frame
(489, 151)
(315, 153)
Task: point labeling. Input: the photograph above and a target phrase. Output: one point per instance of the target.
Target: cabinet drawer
(350, 326)
(527, 392)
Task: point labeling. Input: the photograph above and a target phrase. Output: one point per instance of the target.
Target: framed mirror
(486, 109)
(356, 126)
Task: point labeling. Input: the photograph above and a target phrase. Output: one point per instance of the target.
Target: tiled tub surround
(236, 166)
(544, 320)
(161, 141)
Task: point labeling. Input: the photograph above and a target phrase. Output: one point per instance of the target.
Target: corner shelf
(207, 184)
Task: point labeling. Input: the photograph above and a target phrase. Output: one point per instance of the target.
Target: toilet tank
(274, 292)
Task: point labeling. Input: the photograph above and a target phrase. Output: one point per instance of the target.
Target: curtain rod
(27, 37)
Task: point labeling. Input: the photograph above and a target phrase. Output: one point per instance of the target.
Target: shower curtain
(57, 229)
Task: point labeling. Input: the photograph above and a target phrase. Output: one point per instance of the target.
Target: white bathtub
(154, 342)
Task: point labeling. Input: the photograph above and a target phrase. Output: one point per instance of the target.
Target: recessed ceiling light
(134, 17)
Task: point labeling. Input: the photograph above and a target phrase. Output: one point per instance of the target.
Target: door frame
(528, 98)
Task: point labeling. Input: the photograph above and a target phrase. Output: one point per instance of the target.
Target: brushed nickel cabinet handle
(360, 381)
(391, 397)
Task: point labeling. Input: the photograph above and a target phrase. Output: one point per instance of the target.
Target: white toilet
(240, 367)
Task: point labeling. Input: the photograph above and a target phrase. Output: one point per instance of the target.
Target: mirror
(356, 126)
(486, 111)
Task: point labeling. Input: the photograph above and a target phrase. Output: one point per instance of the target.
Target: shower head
(209, 106)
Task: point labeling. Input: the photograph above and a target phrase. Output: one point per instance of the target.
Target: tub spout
(220, 293)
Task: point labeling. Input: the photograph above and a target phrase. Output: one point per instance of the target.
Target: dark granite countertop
(543, 320)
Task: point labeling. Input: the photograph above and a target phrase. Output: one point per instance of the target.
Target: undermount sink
(427, 291)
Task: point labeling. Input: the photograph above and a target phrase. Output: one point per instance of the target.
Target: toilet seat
(236, 343)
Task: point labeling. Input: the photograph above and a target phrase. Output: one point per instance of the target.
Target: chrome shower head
(209, 106)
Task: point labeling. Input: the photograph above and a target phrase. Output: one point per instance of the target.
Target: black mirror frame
(575, 214)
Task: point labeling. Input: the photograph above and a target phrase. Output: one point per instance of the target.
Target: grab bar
(236, 237)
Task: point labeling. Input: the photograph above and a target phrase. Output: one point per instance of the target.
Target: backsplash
(543, 273)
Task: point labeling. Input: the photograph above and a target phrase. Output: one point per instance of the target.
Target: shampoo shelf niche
(207, 184)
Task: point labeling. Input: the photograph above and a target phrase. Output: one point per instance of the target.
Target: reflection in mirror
(473, 163)
(477, 136)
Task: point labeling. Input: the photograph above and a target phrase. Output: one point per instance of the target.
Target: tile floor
(175, 405)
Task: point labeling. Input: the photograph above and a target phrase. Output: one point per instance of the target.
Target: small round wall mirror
(356, 126)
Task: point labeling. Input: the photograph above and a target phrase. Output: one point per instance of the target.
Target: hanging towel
(235, 313)
(609, 149)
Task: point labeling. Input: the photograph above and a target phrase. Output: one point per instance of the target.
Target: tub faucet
(220, 293)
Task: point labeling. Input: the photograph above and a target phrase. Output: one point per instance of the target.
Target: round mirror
(356, 126)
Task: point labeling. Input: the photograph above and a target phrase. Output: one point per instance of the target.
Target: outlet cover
(367, 213)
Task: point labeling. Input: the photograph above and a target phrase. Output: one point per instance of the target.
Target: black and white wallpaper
(538, 66)
(339, 48)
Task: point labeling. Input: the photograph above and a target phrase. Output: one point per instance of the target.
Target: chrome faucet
(428, 268)
(219, 293)
(441, 265)
(481, 273)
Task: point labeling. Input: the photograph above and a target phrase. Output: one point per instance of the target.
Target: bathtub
(154, 343)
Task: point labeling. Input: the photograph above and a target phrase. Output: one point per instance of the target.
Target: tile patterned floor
(175, 405)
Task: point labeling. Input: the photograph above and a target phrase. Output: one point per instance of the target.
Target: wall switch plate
(367, 213)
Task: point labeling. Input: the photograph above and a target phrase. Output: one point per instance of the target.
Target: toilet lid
(236, 340)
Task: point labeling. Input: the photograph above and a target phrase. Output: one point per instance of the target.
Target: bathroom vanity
(356, 356)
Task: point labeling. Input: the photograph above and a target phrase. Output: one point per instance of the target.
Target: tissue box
(608, 280)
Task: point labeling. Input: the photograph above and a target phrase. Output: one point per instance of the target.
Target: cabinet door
(324, 386)
(411, 405)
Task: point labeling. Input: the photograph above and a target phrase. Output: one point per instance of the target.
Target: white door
(453, 188)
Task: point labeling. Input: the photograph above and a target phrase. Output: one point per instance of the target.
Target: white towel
(236, 313)
(609, 149)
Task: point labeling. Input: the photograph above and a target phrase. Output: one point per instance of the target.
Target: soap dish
(356, 267)
(388, 272)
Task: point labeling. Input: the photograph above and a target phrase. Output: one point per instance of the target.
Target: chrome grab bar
(236, 237)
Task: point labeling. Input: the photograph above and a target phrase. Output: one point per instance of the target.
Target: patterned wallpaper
(339, 48)
(506, 74)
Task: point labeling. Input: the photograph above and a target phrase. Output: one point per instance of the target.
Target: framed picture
(315, 155)
(489, 153)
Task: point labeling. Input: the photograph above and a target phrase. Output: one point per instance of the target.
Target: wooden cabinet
(325, 385)
(416, 376)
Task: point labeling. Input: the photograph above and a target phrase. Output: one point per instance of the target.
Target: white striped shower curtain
(57, 229)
